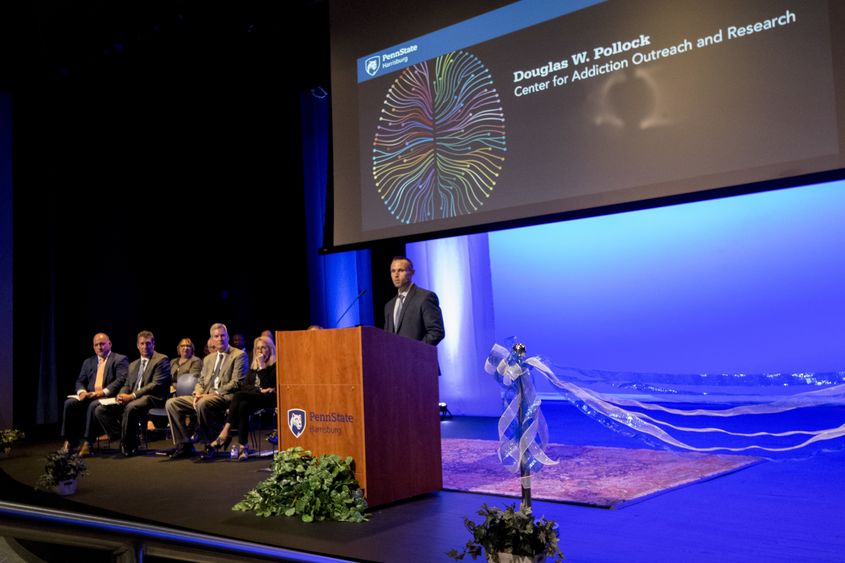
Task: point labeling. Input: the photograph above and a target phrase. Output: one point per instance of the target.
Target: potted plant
(313, 488)
(9, 436)
(61, 472)
(511, 535)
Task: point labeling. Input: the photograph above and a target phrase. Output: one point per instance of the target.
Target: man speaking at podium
(414, 312)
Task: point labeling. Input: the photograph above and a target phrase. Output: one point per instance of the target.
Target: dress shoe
(239, 453)
(84, 450)
(182, 452)
(219, 444)
(209, 453)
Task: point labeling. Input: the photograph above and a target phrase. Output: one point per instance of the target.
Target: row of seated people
(115, 397)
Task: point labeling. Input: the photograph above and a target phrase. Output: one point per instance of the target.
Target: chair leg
(253, 438)
(142, 432)
(105, 438)
(256, 432)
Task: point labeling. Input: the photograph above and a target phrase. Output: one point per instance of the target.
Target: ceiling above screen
(448, 121)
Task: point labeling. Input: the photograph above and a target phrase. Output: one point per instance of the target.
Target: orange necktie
(101, 372)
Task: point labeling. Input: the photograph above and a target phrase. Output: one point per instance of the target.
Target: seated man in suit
(222, 372)
(101, 376)
(146, 387)
(414, 312)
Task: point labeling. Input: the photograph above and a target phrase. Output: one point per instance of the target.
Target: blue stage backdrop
(743, 284)
(334, 280)
(458, 270)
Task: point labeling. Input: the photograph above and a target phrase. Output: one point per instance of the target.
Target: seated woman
(186, 363)
(258, 392)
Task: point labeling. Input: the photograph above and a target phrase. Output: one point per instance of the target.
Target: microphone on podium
(363, 291)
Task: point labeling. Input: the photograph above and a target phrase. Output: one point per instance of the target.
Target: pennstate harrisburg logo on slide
(296, 422)
(372, 65)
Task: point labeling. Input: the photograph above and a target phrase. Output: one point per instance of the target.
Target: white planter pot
(65, 488)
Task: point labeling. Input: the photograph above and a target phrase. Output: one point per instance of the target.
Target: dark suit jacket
(155, 380)
(231, 374)
(113, 378)
(420, 319)
(266, 377)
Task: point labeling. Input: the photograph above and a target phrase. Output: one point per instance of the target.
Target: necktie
(141, 371)
(101, 373)
(397, 311)
(217, 368)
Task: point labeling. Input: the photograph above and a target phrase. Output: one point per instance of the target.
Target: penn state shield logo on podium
(296, 422)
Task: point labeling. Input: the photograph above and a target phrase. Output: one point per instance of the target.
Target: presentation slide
(538, 108)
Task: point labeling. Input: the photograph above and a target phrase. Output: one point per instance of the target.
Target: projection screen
(452, 118)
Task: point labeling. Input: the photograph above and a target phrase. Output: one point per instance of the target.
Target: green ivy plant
(315, 488)
(510, 531)
(61, 467)
(9, 436)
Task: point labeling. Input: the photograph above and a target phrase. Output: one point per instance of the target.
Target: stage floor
(773, 511)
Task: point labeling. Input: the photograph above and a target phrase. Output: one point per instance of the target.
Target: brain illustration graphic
(440, 142)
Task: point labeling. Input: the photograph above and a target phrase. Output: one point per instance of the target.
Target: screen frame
(344, 121)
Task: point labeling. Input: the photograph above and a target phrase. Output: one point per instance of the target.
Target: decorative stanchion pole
(524, 469)
(510, 534)
(522, 429)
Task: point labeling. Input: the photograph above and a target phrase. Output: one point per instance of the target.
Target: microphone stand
(363, 291)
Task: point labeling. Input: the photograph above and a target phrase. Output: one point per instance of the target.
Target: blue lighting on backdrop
(335, 281)
(743, 284)
(746, 284)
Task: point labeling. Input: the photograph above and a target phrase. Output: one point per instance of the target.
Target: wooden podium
(365, 393)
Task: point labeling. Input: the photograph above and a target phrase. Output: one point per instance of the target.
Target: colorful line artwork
(440, 143)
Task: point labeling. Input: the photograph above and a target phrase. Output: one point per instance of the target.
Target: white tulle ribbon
(522, 442)
(613, 409)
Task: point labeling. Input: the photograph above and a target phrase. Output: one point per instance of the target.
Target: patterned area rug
(591, 475)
